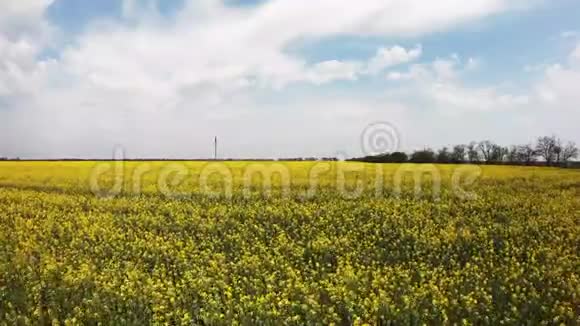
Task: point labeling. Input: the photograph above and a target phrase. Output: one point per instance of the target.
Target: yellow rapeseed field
(212, 243)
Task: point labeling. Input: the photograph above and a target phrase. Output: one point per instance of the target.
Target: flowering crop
(169, 252)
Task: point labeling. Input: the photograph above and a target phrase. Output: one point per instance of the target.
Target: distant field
(288, 243)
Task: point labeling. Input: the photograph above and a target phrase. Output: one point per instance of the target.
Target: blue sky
(159, 78)
(499, 39)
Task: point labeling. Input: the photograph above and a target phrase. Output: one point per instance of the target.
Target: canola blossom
(209, 243)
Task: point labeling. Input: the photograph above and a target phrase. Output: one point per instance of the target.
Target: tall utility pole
(215, 148)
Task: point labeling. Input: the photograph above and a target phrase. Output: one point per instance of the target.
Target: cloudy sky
(280, 78)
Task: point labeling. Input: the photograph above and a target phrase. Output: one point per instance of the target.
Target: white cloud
(327, 71)
(559, 83)
(441, 69)
(226, 44)
(560, 86)
(371, 17)
(332, 70)
(164, 88)
(473, 64)
(389, 57)
(395, 75)
(569, 34)
(441, 84)
(555, 100)
(23, 33)
(575, 55)
(417, 72)
(535, 67)
(445, 69)
(22, 15)
(455, 97)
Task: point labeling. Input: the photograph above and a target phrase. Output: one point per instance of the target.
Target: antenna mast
(215, 144)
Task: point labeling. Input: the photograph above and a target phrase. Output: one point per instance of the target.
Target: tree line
(547, 150)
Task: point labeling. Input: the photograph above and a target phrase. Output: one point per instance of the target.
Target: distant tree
(558, 151)
(486, 148)
(423, 156)
(547, 148)
(458, 154)
(569, 152)
(498, 153)
(505, 151)
(395, 157)
(443, 155)
(551, 149)
(526, 154)
(398, 157)
(472, 152)
(512, 154)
